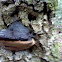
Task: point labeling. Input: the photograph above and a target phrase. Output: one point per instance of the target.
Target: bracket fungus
(17, 36)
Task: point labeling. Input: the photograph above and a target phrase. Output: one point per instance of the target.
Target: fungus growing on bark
(16, 31)
(19, 34)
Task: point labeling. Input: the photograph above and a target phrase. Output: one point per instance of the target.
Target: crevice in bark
(44, 60)
(45, 8)
(49, 16)
(7, 2)
(4, 20)
(31, 17)
(32, 5)
(15, 12)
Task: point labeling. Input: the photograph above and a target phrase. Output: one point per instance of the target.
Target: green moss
(55, 52)
(53, 4)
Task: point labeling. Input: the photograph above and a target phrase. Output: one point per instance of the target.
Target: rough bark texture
(37, 17)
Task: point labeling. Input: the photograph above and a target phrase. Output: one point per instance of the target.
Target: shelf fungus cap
(18, 45)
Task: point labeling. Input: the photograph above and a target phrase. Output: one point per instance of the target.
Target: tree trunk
(36, 16)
